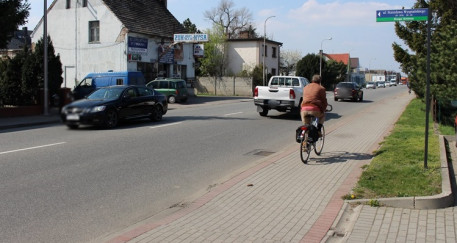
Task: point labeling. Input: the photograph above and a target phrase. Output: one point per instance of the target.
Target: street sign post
(419, 14)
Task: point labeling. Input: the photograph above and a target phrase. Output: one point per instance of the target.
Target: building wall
(228, 86)
(242, 56)
(69, 31)
(245, 55)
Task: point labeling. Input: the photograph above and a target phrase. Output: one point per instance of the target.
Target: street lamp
(263, 58)
(320, 60)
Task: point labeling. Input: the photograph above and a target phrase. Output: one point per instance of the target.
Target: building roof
(254, 40)
(339, 57)
(19, 39)
(150, 17)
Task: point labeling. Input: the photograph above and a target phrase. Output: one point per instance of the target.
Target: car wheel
(157, 113)
(361, 98)
(335, 99)
(111, 119)
(72, 126)
(171, 99)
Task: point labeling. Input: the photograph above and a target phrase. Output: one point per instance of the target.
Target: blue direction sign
(418, 14)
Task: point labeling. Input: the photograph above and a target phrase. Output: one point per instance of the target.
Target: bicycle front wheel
(305, 148)
(319, 145)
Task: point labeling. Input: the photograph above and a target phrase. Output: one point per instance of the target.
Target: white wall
(70, 37)
(69, 31)
(249, 54)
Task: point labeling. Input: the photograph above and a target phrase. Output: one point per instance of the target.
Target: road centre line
(230, 114)
(36, 147)
(166, 125)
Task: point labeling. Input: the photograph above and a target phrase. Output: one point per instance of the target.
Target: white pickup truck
(283, 93)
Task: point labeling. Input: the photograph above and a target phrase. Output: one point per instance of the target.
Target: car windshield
(106, 94)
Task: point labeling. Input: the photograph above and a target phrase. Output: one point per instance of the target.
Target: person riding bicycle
(314, 102)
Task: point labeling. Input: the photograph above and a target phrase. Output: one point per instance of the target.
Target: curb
(443, 200)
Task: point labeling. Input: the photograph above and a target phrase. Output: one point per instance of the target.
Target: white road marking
(166, 125)
(36, 147)
(230, 114)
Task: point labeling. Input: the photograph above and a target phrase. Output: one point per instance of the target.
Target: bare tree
(289, 60)
(232, 20)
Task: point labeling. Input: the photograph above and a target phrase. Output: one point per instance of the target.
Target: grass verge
(397, 170)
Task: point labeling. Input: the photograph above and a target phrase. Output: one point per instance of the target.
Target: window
(273, 52)
(68, 4)
(143, 91)
(94, 31)
(273, 71)
(130, 93)
(266, 50)
(84, 3)
(119, 81)
(163, 85)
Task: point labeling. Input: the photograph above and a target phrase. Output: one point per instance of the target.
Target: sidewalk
(283, 200)
(27, 121)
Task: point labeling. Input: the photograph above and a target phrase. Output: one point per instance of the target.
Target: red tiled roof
(339, 57)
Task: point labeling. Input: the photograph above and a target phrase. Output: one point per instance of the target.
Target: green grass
(397, 170)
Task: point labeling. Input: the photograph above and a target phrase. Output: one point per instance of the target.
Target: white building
(245, 54)
(118, 35)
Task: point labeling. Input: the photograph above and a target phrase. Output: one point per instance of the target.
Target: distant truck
(93, 81)
(283, 93)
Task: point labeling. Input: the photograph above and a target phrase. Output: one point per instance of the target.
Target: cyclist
(314, 102)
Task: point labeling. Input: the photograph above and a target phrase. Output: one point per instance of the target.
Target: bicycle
(309, 139)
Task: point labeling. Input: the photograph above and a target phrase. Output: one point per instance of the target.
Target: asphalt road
(61, 185)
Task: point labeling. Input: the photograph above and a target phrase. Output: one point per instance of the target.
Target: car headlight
(98, 108)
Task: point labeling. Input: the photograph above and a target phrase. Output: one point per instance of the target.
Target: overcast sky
(302, 25)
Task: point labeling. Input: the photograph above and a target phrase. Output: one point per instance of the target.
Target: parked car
(174, 89)
(393, 83)
(348, 90)
(381, 84)
(371, 85)
(107, 105)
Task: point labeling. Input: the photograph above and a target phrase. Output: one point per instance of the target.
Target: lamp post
(45, 47)
(320, 60)
(264, 39)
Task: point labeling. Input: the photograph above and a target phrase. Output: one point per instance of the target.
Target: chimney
(164, 2)
(26, 36)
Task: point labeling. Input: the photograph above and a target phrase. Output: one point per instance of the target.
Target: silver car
(371, 85)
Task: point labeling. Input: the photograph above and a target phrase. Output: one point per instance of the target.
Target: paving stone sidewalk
(282, 199)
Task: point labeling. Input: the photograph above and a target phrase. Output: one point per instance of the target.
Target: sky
(303, 25)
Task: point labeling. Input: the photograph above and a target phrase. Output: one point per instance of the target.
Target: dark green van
(174, 89)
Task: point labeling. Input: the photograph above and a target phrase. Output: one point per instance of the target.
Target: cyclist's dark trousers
(307, 120)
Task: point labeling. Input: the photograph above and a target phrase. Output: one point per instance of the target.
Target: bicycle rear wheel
(319, 145)
(305, 149)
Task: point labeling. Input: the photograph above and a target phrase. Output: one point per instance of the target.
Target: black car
(107, 105)
(348, 90)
